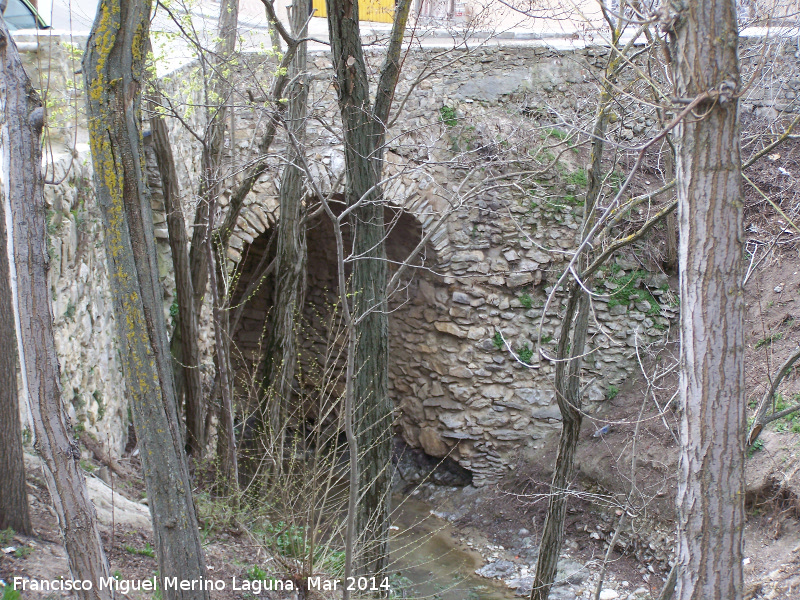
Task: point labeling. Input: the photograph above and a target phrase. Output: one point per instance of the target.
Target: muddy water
(431, 562)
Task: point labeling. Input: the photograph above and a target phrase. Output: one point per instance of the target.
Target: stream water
(430, 562)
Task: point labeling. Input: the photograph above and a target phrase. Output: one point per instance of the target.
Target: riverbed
(429, 561)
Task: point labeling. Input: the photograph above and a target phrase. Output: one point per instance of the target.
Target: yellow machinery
(381, 11)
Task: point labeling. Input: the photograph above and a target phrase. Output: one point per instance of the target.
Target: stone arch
(253, 297)
(256, 218)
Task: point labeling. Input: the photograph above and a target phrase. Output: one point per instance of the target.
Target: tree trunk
(211, 160)
(568, 396)
(21, 158)
(187, 322)
(708, 172)
(363, 134)
(113, 68)
(226, 454)
(372, 408)
(13, 491)
(210, 186)
(290, 258)
(571, 347)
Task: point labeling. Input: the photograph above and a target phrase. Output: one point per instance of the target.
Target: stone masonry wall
(93, 388)
(465, 372)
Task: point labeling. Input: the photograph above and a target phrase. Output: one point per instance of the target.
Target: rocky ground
(503, 526)
(495, 529)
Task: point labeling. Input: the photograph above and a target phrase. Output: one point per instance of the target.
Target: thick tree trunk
(13, 491)
(113, 68)
(372, 409)
(708, 172)
(363, 135)
(20, 166)
(290, 258)
(188, 323)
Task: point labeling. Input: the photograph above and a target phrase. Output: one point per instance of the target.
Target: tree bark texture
(290, 258)
(113, 70)
(708, 171)
(25, 218)
(13, 491)
(187, 321)
(363, 134)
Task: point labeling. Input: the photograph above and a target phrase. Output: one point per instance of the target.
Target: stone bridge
(465, 370)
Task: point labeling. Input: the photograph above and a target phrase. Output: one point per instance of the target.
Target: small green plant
(256, 573)
(547, 157)
(624, 290)
(23, 552)
(547, 338)
(101, 406)
(448, 116)
(497, 340)
(526, 300)
(767, 341)
(146, 551)
(399, 585)
(9, 593)
(334, 562)
(578, 178)
(87, 466)
(611, 392)
(556, 133)
(525, 354)
(173, 312)
(790, 422)
(6, 535)
(288, 540)
(158, 594)
(757, 445)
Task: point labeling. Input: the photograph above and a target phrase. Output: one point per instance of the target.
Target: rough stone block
(460, 372)
(431, 442)
(541, 397)
(452, 329)
(516, 280)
